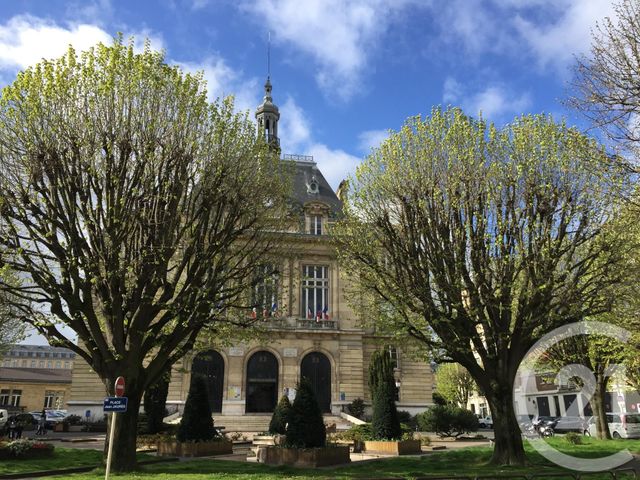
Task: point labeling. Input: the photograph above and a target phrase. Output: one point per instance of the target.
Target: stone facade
(310, 328)
(31, 389)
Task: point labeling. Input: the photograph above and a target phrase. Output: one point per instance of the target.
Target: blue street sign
(115, 404)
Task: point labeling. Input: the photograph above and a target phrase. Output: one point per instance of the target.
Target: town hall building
(311, 330)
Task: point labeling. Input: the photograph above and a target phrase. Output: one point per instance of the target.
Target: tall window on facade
(265, 292)
(316, 225)
(4, 396)
(393, 355)
(53, 399)
(14, 398)
(315, 292)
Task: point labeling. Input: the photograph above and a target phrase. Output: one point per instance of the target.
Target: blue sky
(343, 72)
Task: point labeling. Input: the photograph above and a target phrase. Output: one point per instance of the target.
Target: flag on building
(325, 313)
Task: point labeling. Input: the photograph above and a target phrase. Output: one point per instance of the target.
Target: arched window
(316, 367)
(210, 366)
(262, 382)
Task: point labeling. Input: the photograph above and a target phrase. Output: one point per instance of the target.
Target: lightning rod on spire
(269, 55)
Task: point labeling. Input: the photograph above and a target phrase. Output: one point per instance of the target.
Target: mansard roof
(306, 174)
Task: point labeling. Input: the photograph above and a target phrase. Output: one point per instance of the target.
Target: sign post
(117, 404)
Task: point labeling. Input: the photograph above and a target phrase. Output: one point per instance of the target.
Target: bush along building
(312, 331)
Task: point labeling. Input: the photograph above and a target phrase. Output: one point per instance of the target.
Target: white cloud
(25, 40)
(550, 31)
(555, 44)
(338, 35)
(335, 165)
(371, 139)
(294, 128)
(296, 136)
(223, 80)
(494, 102)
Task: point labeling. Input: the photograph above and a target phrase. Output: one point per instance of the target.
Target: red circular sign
(119, 387)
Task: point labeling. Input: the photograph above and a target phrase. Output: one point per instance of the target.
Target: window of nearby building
(49, 364)
(33, 364)
(316, 225)
(58, 364)
(41, 363)
(393, 355)
(14, 363)
(67, 365)
(53, 399)
(4, 396)
(265, 292)
(24, 362)
(14, 398)
(7, 363)
(315, 291)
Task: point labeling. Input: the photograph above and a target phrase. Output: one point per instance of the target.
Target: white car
(485, 422)
(3, 417)
(621, 425)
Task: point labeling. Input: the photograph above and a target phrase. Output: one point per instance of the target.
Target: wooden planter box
(304, 457)
(403, 447)
(76, 428)
(194, 449)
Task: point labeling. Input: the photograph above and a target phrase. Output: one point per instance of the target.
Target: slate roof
(305, 171)
(35, 375)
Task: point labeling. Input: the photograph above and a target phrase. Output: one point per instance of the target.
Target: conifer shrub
(385, 424)
(280, 417)
(155, 399)
(306, 426)
(196, 424)
(356, 408)
(448, 421)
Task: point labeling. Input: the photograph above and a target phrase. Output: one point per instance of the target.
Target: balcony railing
(293, 323)
(298, 158)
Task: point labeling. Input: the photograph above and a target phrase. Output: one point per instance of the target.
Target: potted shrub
(196, 436)
(306, 436)
(386, 432)
(72, 423)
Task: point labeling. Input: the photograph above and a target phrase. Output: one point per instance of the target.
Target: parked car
(485, 422)
(24, 420)
(621, 425)
(570, 424)
(52, 417)
(4, 414)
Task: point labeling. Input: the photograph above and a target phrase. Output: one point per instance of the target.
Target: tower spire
(267, 113)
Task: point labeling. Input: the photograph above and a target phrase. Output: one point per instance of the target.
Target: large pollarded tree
(477, 241)
(134, 212)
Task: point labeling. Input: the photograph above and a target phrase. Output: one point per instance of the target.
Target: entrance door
(317, 369)
(543, 406)
(210, 366)
(262, 382)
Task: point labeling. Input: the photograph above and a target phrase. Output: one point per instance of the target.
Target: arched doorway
(317, 369)
(262, 382)
(210, 366)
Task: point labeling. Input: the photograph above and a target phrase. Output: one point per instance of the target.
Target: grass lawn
(468, 461)
(62, 458)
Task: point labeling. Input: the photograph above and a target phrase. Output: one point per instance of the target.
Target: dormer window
(313, 186)
(316, 225)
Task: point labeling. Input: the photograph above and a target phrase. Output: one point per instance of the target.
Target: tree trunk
(508, 449)
(123, 458)
(599, 408)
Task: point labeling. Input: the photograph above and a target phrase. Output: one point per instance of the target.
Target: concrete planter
(269, 440)
(403, 447)
(304, 457)
(194, 449)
